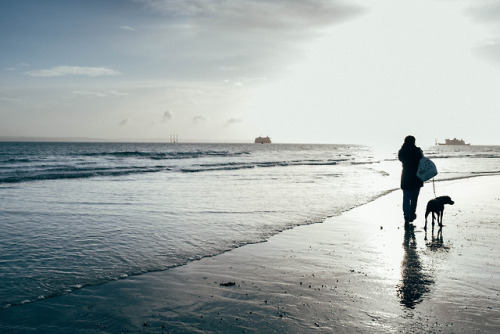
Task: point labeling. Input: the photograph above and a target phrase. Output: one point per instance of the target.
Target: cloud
(10, 99)
(17, 67)
(240, 82)
(227, 68)
(60, 71)
(206, 39)
(128, 28)
(488, 11)
(200, 118)
(167, 115)
(123, 122)
(233, 121)
(490, 50)
(88, 93)
(251, 14)
(94, 94)
(115, 93)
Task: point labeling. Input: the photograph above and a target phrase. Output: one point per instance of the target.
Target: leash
(434, 187)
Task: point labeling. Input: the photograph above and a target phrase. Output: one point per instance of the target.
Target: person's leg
(414, 200)
(407, 205)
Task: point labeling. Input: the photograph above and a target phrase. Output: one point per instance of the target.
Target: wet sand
(360, 272)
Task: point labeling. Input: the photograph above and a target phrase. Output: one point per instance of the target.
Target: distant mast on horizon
(263, 140)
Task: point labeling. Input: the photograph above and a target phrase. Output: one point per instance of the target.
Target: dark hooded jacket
(410, 155)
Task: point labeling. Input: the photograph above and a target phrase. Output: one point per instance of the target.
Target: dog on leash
(436, 206)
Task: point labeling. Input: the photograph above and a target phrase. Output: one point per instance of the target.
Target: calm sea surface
(80, 214)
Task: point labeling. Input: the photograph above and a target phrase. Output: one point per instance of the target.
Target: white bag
(426, 169)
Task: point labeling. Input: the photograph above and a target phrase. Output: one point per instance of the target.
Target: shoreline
(357, 272)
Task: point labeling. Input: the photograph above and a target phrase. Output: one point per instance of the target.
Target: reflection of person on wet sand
(414, 282)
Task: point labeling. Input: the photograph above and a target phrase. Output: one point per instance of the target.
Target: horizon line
(28, 139)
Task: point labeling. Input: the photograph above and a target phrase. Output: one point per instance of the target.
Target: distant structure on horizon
(174, 139)
(263, 140)
(453, 141)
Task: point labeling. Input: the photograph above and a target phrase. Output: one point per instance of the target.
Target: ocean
(74, 215)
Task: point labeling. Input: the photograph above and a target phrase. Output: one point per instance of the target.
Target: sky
(299, 71)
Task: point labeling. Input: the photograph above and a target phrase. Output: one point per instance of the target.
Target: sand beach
(359, 272)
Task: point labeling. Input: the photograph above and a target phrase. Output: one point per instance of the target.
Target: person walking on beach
(410, 155)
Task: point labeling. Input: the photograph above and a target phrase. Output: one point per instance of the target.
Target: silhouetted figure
(410, 155)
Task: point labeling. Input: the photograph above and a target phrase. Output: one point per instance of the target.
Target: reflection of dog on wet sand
(436, 206)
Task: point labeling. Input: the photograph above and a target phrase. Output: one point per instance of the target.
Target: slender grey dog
(436, 206)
